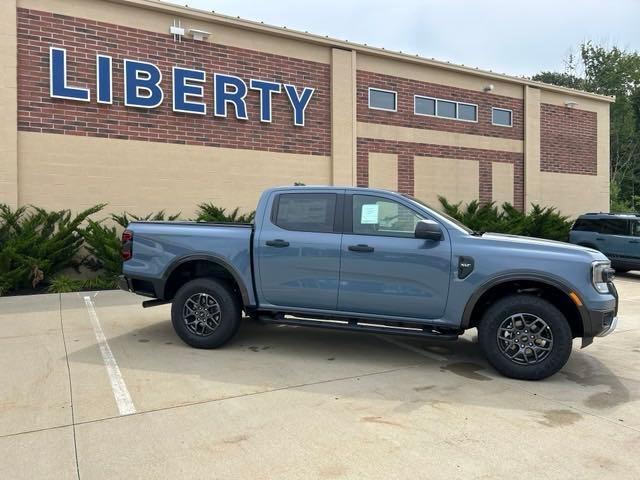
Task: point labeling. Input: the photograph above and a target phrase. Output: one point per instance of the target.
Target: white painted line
(411, 348)
(120, 392)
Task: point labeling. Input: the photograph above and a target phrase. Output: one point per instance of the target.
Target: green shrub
(64, 284)
(477, 217)
(35, 244)
(208, 212)
(101, 282)
(103, 244)
(540, 222)
(125, 218)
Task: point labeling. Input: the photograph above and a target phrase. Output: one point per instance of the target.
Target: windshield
(456, 222)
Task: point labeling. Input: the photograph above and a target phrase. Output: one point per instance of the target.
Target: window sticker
(369, 214)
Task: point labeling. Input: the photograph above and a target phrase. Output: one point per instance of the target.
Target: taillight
(126, 252)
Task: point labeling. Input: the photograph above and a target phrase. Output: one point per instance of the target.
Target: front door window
(380, 216)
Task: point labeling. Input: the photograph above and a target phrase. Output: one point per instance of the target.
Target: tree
(611, 71)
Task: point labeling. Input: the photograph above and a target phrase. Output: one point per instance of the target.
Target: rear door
(298, 250)
(384, 268)
(632, 247)
(613, 237)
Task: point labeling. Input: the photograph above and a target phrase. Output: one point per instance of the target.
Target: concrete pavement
(284, 402)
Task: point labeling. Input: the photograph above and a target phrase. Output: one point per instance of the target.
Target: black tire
(549, 356)
(208, 291)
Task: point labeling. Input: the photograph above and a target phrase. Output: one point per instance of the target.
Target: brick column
(486, 181)
(405, 173)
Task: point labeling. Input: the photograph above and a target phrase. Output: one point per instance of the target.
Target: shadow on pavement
(263, 357)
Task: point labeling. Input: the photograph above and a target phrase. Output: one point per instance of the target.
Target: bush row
(540, 222)
(37, 245)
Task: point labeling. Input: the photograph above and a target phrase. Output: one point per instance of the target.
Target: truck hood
(517, 241)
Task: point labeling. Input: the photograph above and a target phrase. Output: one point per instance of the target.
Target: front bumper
(602, 322)
(610, 328)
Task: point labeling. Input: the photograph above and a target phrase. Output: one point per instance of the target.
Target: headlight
(601, 275)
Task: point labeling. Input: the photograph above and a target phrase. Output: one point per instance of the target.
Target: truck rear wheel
(205, 313)
(525, 337)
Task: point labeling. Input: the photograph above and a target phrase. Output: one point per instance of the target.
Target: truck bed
(160, 246)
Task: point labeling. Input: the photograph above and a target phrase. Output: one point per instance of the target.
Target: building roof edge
(326, 41)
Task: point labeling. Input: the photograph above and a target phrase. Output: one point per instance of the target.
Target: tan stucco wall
(60, 171)
(343, 117)
(502, 183)
(571, 194)
(437, 137)
(456, 180)
(8, 105)
(383, 170)
(159, 21)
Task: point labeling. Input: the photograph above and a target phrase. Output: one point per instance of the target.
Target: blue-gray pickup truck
(374, 261)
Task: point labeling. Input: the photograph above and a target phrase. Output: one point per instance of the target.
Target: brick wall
(568, 140)
(404, 117)
(83, 39)
(406, 152)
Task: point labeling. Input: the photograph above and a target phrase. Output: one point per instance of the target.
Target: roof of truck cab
(333, 187)
(604, 215)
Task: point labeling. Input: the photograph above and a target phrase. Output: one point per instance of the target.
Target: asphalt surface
(95, 387)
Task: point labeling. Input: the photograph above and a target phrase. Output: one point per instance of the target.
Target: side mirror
(428, 230)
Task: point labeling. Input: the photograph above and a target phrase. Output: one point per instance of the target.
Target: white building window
(424, 105)
(380, 99)
(468, 112)
(437, 107)
(502, 117)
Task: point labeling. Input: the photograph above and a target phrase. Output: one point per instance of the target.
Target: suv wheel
(205, 313)
(525, 337)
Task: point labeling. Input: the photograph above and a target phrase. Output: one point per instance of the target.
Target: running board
(430, 332)
(154, 303)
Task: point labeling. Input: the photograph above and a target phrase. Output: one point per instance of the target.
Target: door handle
(361, 248)
(634, 241)
(278, 243)
(599, 239)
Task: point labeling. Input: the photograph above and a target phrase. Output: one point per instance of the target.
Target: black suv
(617, 235)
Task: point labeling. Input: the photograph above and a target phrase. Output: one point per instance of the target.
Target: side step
(430, 332)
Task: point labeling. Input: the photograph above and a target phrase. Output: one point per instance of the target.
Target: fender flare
(549, 280)
(176, 263)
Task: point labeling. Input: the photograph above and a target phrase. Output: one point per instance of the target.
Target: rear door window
(614, 226)
(586, 225)
(305, 212)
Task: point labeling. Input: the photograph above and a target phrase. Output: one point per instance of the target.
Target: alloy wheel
(525, 339)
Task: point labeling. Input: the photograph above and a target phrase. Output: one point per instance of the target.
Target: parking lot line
(119, 388)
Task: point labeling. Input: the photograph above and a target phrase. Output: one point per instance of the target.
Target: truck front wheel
(525, 337)
(205, 313)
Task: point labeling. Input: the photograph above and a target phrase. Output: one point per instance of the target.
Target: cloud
(507, 36)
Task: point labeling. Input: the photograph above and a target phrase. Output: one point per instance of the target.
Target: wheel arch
(202, 265)
(546, 286)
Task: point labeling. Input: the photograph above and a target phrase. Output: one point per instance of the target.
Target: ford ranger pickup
(376, 261)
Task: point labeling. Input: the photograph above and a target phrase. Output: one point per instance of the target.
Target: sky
(515, 37)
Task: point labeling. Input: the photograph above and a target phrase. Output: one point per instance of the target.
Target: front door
(298, 251)
(384, 268)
